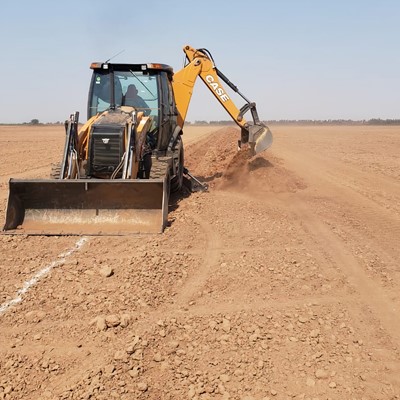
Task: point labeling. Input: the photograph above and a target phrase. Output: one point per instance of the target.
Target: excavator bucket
(86, 207)
(262, 137)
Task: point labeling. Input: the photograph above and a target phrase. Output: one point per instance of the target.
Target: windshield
(133, 88)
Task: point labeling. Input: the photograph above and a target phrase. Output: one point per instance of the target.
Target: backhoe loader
(118, 169)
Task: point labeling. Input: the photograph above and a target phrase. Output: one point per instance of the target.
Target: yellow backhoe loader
(118, 169)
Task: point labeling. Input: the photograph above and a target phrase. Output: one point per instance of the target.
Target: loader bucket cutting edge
(86, 207)
(263, 140)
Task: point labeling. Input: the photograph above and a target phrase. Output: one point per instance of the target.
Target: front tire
(177, 180)
(145, 167)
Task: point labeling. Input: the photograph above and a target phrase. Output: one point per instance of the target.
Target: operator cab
(113, 84)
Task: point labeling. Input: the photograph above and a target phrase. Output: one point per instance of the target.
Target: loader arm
(200, 64)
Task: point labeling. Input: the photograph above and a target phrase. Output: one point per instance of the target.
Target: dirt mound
(215, 160)
(209, 157)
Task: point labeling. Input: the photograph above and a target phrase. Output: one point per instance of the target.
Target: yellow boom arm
(200, 63)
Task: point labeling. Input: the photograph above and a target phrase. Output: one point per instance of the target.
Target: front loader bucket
(86, 207)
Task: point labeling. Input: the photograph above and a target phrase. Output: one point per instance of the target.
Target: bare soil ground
(280, 282)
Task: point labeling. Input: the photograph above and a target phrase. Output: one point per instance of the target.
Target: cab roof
(132, 67)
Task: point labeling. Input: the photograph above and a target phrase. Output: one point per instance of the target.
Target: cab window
(145, 84)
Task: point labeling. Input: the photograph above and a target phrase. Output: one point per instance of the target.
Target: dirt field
(281, 282)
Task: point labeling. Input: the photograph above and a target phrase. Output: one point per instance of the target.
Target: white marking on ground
(40, 274)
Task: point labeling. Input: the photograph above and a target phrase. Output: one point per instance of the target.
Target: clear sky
(304, 59)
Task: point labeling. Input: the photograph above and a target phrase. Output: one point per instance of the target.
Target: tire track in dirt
(361, 181)
(382, 225)
(228, 307)
(370, 211)
(390, 261)
(333, 183)
(212, 253)
(370, 293)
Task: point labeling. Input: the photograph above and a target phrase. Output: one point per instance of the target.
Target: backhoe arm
(200, 63)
